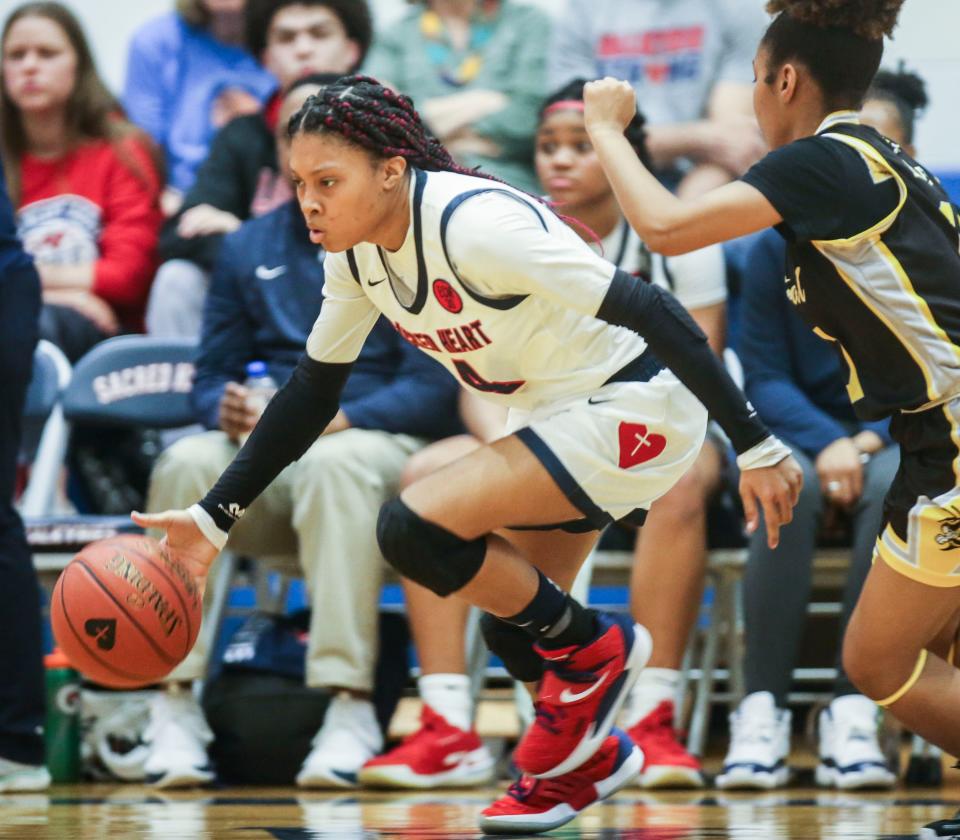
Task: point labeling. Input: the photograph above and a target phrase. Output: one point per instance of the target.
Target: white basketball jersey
(696, 279)
(491, 284)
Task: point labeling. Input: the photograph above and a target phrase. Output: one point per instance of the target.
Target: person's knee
(434, 457)
(810, 499)
(879, 474)
(877, 669)
(426, 553)
(686, 500)
(179, 277)
(196, 459)
(513, 646)
(328, 457)
(176, 298)
(352, 457)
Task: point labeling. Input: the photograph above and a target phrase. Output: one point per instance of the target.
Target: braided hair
(368, 114)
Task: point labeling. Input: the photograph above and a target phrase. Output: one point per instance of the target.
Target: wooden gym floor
(118, 812)
(800, 812)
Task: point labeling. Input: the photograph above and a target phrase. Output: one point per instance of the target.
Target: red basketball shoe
(532, 805)
(666, 762)
(582, 690)
(436, 755)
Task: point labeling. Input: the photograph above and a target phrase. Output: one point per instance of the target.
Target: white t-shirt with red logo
(697, 279)
(672, 51)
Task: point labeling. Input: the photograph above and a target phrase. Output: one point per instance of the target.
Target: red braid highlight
(363, 111)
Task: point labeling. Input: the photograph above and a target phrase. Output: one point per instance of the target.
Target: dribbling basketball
(124, 613)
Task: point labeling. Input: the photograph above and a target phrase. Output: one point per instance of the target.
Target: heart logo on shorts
(637, 445)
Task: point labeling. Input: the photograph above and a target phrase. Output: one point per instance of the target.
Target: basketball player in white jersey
(497, 288)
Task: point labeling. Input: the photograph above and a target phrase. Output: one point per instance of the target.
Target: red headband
(565, 105)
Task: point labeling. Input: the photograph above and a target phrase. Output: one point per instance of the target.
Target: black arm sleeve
(680, 344)
(293, 420)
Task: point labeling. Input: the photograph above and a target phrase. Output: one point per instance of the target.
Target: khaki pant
(321, 510)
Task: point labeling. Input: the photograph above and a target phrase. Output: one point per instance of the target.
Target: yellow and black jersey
(873, 261)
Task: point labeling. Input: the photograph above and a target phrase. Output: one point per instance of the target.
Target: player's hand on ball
(775, 490)
(609, 105)
(183, 540)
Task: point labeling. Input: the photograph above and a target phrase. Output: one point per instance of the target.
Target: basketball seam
(173, 587)
(133, 621)
(79, 637)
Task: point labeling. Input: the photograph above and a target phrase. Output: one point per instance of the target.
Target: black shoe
(941, 830)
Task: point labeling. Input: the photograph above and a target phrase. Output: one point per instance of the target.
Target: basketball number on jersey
(475, 380)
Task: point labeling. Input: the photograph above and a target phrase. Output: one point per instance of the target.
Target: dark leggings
(21, 666)
(777, 583)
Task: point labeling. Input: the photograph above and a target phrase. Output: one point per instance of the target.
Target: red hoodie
(100, 203)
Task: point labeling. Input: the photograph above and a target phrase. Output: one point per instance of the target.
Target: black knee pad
(514, 647)
(426, 553)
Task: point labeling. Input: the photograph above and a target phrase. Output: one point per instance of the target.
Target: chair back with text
(133, 381)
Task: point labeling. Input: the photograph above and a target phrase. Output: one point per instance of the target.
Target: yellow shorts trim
(910, 683)
(896, 554)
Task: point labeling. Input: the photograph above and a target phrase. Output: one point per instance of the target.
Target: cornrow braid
(365, 112)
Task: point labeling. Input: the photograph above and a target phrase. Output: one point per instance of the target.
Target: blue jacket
(175, 72)
(265, 294)
(794, 379)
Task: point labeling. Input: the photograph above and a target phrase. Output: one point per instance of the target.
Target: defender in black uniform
(874, 266)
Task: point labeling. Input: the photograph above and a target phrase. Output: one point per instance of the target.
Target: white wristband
(209, 528)
(768, 453)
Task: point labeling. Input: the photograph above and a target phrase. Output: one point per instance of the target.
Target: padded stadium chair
(124, 382)
(43, 419)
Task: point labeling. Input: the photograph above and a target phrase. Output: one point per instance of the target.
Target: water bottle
(260, 386)
(62, 725)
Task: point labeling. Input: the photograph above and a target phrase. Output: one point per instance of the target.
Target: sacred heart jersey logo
(447, 296)
(637, 445)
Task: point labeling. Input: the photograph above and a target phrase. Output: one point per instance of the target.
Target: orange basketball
(124, 613)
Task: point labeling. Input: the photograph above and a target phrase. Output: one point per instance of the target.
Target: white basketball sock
(654, 686)
(449, 696)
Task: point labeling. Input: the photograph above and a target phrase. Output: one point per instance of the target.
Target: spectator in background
(690, 62)
(188, 75)
(21, 664)
(894, 101)
(476, 70)
(322, 509)
(664, 597)
(795, 381)
(83, 179)
(239, 179)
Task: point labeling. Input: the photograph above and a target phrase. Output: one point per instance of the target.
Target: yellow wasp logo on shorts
(949, 536)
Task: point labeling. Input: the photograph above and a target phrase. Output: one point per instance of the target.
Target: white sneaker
(850, 754)
(177, 736)
(112, 725)
(15, 776)
(759, 745)
(349, 738)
